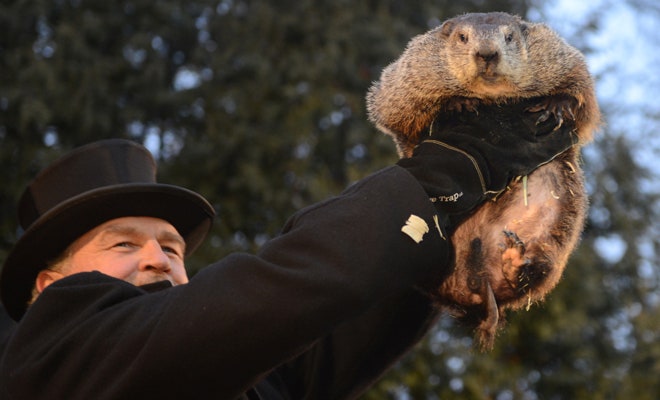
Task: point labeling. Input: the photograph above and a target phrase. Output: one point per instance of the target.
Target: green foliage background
(259, 106)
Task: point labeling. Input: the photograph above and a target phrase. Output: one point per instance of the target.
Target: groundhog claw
(513, 241)
(543, 117)
(560, 121)
(459, 104)
(556, 106)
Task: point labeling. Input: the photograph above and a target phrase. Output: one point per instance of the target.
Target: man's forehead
(139, 225)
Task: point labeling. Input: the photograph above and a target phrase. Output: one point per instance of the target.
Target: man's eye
(123, 244)
(172, 250)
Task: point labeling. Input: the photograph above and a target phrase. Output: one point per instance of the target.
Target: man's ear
(45, 278)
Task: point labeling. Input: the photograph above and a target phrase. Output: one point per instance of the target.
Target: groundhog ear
(524, 29)
(447, 28)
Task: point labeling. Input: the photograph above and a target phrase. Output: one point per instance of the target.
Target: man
(105, 310)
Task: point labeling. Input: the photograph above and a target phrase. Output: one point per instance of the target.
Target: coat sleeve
(347, 362)
(238, 319)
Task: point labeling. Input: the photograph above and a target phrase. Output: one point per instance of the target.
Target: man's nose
(154, 258)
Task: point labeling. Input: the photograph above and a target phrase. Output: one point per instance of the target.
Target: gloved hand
(472, 156)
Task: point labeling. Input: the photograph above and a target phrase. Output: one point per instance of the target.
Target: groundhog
(512, 251)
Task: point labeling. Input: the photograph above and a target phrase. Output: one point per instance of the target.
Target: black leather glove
(472, 156)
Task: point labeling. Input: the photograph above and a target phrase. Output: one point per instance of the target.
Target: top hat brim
(55, 230)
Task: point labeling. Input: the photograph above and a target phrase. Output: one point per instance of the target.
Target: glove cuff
(451, 177)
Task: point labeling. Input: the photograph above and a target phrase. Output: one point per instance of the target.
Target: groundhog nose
(488, 55)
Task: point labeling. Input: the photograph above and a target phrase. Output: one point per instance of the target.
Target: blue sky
(624, 56)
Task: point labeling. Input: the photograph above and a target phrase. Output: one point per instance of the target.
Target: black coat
(319, 313)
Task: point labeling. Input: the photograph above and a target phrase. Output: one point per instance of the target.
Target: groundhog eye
(463, 37)
(509, 37)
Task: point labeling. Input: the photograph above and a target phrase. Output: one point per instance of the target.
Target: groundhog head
(474, 59)
(485, 53)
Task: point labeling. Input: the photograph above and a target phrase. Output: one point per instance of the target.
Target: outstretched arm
(237, 319)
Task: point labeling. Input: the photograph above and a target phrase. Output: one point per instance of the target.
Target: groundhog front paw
(460, 104)
(559, 107)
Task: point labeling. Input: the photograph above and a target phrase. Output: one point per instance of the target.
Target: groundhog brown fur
(512, 251)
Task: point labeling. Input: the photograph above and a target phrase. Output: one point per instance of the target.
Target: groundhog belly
(519, 244)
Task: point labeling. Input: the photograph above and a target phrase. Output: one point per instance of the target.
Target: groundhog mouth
(490, 77)
(491, 85)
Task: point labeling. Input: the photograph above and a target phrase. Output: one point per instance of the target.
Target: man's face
(138, 250)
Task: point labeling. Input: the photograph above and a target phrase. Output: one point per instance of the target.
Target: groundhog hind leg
(524, 270)
(541, 223)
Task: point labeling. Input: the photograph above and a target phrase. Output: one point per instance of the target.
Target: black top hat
(91, 185)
